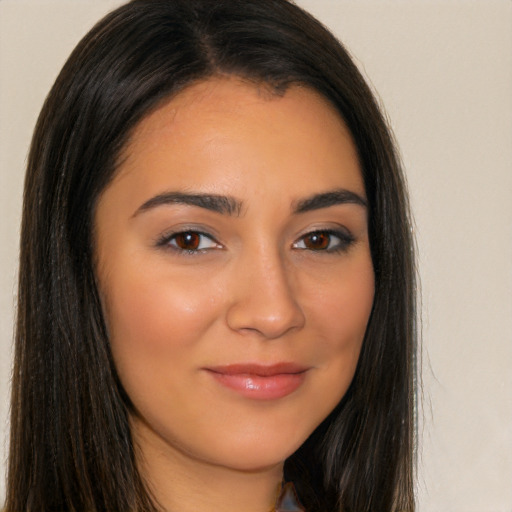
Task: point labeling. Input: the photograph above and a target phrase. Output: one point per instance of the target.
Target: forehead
(223, 131)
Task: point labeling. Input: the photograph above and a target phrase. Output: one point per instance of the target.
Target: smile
(260, 382)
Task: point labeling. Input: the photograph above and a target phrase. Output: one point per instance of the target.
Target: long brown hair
(71, 447)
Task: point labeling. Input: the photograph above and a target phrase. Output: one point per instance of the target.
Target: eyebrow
(221, 204)
(326, 199)
(228, 205)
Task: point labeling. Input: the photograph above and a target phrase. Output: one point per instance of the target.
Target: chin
(262, 452)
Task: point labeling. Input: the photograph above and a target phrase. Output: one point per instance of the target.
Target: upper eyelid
(165, 243)
(337, 230)
(344, 235)
(341, 231)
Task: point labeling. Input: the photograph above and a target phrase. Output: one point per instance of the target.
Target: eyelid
(163, 241)
(344, 240)
(345, 237)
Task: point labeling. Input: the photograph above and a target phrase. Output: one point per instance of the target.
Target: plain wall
(443, 70)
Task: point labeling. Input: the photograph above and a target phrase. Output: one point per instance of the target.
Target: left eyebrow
(326, 199)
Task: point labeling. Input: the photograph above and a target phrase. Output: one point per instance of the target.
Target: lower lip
(259, 387)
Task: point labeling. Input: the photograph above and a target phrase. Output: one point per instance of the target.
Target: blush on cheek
(342, 314)
(348, 313)
(155, 319)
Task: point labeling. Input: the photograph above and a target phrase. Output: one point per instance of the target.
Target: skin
(257, 289)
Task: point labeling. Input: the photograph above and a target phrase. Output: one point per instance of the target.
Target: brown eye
(317, 241)
(327, 241)
(188, 241)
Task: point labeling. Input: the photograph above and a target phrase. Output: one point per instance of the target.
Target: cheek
(340, 311)
(153, 317)
(351, 305)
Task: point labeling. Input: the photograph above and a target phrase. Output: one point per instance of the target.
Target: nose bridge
(265, 298)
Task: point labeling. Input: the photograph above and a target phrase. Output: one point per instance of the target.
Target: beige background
(444, 71)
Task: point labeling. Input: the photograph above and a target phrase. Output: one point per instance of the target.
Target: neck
(182, 483)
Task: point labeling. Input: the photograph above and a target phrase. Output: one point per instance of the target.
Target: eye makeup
(325, 240)
(188, 241)
(194, 241)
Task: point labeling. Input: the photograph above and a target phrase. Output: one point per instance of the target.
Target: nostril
(270, 317)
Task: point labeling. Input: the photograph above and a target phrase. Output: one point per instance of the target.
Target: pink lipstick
(260, 382)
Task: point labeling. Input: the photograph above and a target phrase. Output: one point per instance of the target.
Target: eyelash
(345, 240)
(166, 241)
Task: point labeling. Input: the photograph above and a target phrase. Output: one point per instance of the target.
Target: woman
(216, 279)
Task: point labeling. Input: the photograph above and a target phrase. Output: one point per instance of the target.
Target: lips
(260, 382)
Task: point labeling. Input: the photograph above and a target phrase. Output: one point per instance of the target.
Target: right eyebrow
(225, 205)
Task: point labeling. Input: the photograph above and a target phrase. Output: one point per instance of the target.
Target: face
(234, 267)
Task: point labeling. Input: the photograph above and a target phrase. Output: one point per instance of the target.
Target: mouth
(260, 382)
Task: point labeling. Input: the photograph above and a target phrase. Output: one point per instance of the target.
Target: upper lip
(261, 370)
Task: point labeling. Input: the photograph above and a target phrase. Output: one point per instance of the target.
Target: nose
(265, 299)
